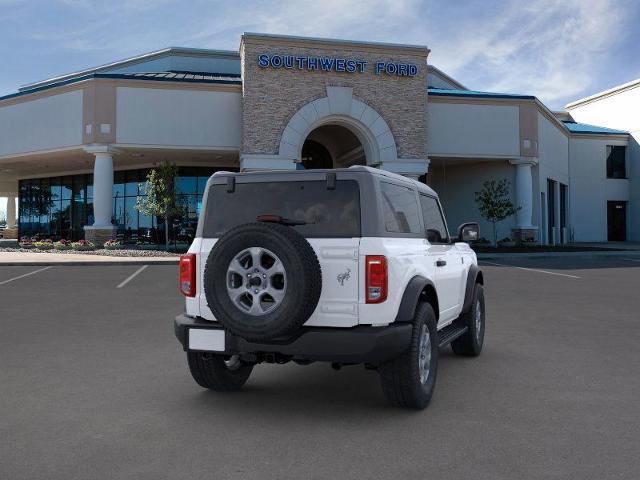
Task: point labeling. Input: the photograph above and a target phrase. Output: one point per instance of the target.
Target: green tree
(160, 199)
(494, 203)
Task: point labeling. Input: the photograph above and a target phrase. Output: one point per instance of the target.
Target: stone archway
(339, 108)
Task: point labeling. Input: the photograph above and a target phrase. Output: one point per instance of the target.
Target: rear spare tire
(262, 281)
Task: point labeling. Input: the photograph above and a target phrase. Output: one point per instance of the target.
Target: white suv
(346, 266)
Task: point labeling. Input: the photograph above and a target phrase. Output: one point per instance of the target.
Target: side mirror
(468, 232)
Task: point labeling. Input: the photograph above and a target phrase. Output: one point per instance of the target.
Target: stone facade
(525, 234)
(9, 233)
(272, 96)
(99, 236)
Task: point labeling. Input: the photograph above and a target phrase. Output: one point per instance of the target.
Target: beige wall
(589, 188)
(473, 129)
(272, 96)
(620, 110)
(178, 117)
(50, 122)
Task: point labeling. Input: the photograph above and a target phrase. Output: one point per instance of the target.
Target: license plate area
(207, 339)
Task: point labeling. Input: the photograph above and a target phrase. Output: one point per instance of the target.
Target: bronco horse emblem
(342, 277)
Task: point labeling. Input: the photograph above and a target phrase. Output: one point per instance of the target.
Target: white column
(11, 212)
(102, 229)
(103, 190)
(524, 192)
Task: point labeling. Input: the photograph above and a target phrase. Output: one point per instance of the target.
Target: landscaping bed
(101, 252)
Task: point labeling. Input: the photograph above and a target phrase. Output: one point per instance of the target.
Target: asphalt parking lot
(93, 385)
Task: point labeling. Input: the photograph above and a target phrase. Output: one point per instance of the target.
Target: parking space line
(25, 275)
(530, 269)
(132, 276)
(632, 259)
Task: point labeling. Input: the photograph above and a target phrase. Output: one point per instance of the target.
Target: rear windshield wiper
(281, 220)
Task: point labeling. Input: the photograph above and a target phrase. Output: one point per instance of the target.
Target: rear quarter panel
(405, 259)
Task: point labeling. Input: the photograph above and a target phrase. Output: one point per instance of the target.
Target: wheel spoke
(256, 308)
(276, 269)
(276, 294)
(237, 267)
(256, 256)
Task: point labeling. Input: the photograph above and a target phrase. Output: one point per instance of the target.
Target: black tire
(400, 377)
(303, 281)
(470, 344)
(210, 371)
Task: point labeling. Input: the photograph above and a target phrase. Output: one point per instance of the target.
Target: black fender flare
(411, 297)
(473, 276)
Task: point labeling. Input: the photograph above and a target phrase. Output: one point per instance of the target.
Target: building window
(59, 207)
(616, 164)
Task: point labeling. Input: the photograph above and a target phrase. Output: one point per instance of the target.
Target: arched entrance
(332, 146)
(338, 126)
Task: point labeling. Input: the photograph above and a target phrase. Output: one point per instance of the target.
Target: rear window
(327, 213)
(400, 209)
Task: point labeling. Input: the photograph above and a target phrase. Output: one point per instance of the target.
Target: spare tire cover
(262, 280)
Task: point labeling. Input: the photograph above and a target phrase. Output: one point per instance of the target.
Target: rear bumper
(362, 344)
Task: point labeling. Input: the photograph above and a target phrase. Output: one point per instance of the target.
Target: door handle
(441, 263)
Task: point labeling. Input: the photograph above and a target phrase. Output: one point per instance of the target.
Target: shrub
(112, 244)
(62, 245)
(26, 242)
(45, 244)
(506, 242)
(83, 245)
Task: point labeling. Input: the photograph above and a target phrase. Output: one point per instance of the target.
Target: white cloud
(544, 47)
(548, 48)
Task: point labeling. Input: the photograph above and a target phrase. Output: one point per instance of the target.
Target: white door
(444, 255)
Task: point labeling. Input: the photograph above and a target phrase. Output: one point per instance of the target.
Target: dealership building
(75, 149)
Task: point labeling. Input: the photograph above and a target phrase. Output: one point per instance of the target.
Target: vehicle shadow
(280, 392)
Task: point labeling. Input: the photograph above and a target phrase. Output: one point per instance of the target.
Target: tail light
(376, 278)
(188, 275)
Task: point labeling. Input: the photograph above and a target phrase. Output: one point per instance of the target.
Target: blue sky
(557, 50)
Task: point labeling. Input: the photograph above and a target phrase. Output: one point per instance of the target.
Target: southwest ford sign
(334, 64)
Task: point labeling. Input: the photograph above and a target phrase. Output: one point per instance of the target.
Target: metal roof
(176, 75)
(187, 77)
(444, 92)
(134, 60)
(585, 128)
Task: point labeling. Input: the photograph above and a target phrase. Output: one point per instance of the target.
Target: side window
(616, 167)
(400, 209)
(433, 220)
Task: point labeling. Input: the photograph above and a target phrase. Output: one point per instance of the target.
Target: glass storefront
(59, 207)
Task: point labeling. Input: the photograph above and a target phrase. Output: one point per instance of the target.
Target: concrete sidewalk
(635, 254)
(36, 259)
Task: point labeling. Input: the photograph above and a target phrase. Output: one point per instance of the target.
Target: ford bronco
(347, 266)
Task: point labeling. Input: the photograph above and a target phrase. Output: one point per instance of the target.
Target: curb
(89, 263)
(617, 253)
